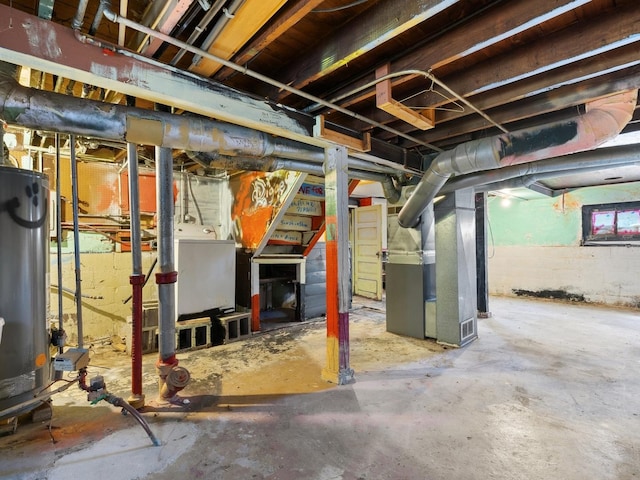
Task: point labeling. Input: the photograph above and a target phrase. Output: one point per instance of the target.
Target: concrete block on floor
(237, 326)
(195, 333)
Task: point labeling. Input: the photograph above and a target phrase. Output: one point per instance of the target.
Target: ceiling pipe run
(391, 187)
(54, 112)
(199, 29)
(603, 120)
(115, 18)
(271, 163)
(528, 181)
(556, 166)
(264, 164)
(136, 279)
(76, 240)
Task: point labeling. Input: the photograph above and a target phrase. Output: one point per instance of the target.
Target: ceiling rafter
(377, 25)
(482, 32)
(566, 51)
(596, 37)
(293, 14)
(540, 104)
(590, 68)
(518, 62)
(246, 22)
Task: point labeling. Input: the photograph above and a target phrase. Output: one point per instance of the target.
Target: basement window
(611, 224)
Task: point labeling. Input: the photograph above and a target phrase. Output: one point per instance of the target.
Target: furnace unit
(410, 276)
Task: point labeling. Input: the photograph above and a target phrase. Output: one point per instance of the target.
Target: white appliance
(206, 275)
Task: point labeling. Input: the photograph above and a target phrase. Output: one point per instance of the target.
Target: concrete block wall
(103, 275)
(607, 275)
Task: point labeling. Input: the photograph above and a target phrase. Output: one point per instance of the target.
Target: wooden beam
(566, 57)
(378, 25)
(512, 18)
(61, 54)
(618, 64)
(564, 97)
(593, 38)
(361, 145)
(249, 18)
(384, 101)
(293, 14)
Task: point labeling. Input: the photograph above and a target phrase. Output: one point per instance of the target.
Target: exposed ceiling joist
(482, 32)
(566, 47)
(550, 101)
(375, 27)
(293, 14)
(505, 64)
(246, 22)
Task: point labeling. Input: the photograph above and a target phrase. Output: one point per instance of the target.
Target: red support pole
(137, 281)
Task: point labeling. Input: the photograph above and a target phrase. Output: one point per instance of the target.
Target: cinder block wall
(607, 275)
(199, 202)
(104, 275)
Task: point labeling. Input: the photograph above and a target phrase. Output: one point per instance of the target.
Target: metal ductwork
(528, 181)
(550, 167)
(49, 111)
(257, 164)
(603, 120)
(389, 185)
(54, 112)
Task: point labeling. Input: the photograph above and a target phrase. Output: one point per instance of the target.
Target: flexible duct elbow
(390, 190)
(471, 156)
(604, 119)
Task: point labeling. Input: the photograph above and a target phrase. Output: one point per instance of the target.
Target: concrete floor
(548, 391)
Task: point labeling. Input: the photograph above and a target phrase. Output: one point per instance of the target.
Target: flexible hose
(119, 402)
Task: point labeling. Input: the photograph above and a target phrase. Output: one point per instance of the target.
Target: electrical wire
(193, 197)
(404, 73)
(343, 7)
(114, 17)
(146, 279)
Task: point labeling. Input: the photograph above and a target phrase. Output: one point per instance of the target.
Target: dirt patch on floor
(279, 361)
(258, 369)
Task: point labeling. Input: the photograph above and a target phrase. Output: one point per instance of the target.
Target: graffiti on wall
(258, 197)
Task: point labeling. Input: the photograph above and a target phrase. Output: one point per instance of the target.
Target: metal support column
(456, 304)
(481, 255)
(337, 369)
(171, 377)
(58, 214)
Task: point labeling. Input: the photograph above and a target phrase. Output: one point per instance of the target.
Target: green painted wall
(90, 242)
(546, 221)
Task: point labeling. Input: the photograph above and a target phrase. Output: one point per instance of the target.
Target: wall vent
(467, 330)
